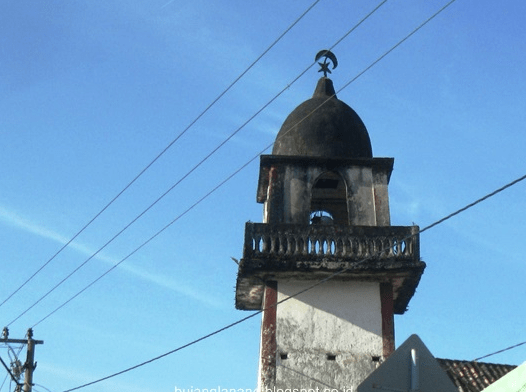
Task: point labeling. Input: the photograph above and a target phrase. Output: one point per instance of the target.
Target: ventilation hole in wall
(376, 359)
(331, 357)
(283, 355)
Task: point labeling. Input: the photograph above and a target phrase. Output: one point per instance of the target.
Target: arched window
(329, 200)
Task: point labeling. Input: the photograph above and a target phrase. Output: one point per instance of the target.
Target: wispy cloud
(22, 223)
(166, 4)
(15, 220)
(179, 287)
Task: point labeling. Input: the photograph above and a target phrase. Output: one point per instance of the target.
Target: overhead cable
(161, 153)
(310, 287)
(498, 352)
(13, 378)
(181, 180)
(245, 164)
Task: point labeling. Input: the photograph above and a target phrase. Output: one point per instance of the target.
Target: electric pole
(30, 364)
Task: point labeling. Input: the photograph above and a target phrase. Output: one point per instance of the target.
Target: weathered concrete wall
(360, 196)
(297, 195)
(381, 199)
(290, 191)
(330, 335)
(286, 184)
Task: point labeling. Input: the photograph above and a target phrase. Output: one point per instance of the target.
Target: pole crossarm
(20, 341)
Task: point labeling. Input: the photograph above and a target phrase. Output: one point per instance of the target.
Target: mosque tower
(326, 248)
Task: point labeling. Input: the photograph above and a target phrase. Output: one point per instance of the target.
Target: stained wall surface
(328, 337)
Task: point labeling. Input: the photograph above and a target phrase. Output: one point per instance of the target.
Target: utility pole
(30, 363)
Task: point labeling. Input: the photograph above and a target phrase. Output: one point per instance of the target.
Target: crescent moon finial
(325, 65)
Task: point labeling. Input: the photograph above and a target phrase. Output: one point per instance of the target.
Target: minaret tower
(326, 211)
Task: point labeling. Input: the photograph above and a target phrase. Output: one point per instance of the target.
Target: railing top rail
(337, 229)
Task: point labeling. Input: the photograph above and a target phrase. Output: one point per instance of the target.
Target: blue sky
(91, 92)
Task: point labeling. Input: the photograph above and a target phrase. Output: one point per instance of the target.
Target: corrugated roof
(471, 376)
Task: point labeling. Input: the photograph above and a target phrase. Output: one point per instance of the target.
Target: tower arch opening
(329, 200)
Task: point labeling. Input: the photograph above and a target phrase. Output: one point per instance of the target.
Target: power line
(10, 349)
(244, 165)
(13, 378)
(170, 352)
(455, 368)
(161, 153)
(500, 351)
(332, 276)
(231, 325)
(41, 386)
(181, 180)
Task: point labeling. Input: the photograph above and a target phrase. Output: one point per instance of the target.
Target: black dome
(323, 126)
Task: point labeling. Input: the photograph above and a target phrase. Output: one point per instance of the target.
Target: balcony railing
(345, 243)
